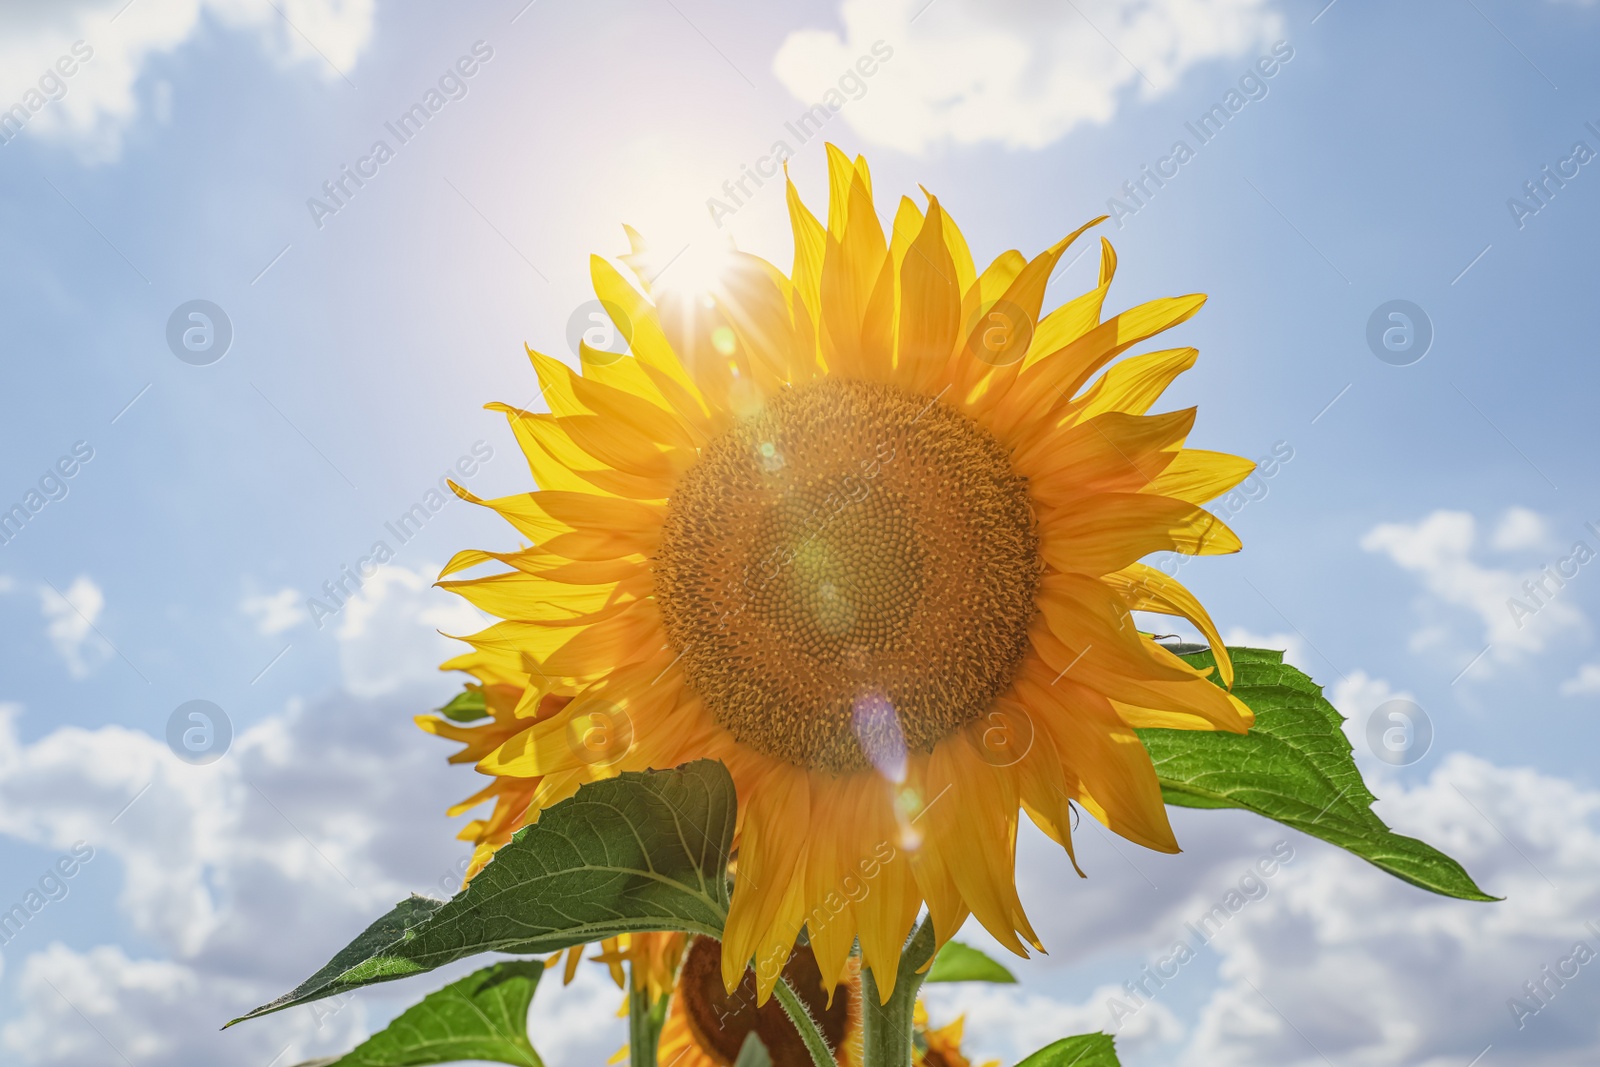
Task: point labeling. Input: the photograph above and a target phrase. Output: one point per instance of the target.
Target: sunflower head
(869, 532)
(707, 1024)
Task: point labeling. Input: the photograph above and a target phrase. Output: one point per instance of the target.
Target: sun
(694, 273)
(869, 532)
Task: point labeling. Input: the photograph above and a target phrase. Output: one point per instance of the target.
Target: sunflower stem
(886, 1026)
(644, 1019)
(816, 1044)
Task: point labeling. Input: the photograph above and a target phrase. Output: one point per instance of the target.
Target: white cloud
(1032, 1020)
(216, 876)
(1102, 930)
(69, 623)
(390, 634)
(101, 1007)
(1021, 73)
(1586, 682)
(237, 879)
(1371, 970)
(7, 583)
(1520, 528)
(1439, 550)
(91, 108)
(1365, 969)
(275, 612)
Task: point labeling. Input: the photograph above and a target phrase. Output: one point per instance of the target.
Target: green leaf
(963, 963)
(1295, 766)
(389, 930)
(484, 1016)
(639, 852)
(1085, 1050)
(468, 706)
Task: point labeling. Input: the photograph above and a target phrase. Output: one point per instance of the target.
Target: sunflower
(869, 534)
(653, 958)
(941, 1047)
(706, 1024)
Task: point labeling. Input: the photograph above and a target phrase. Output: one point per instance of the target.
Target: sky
(1395, 228)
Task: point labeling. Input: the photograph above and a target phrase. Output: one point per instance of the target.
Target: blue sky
(1375, 164)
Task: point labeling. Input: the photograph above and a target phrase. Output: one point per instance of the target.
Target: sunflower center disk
(849, 574)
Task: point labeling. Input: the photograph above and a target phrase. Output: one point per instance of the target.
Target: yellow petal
(534, 598)
(1041, 781)
(578, 525)
(841, 173)
(810, 246)
(558, 461)
(998, 275)
(772, 849)
(905, 228)
(1107, 532)
(1136, 383)
(883, 885)
(1148, 685)
(572, 394)
(1144, 588)
(754, 299)
(1020, 300)
(583, 651)
(1197, 476)
(1111, 453)
(974, 827)
(966, 271)
(830, 923)
(647, 343)
(851, 268)
(1056, 378)
(1115, 781)
(930, 305)
(549, 565)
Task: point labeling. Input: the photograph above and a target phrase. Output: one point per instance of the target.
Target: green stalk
(816, 1044)
(644, 1020)
(886, 1027)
